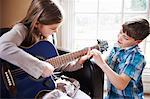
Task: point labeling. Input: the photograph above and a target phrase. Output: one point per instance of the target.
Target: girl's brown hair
(45, 12)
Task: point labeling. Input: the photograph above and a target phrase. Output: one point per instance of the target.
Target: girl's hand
(48, 70)
(85, 57)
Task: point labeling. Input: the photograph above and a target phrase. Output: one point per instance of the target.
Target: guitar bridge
(8, 79)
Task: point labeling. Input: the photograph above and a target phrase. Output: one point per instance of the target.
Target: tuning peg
(99, 41)
(103, 45)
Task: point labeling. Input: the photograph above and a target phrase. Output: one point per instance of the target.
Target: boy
(125, 64)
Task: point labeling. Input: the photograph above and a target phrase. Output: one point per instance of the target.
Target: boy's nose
(119, 37)
(56, 30)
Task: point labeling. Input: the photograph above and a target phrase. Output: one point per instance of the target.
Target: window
(89, 20)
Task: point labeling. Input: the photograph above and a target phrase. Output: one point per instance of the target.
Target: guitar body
(23, 85)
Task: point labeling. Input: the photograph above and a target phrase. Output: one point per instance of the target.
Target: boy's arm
(119, 81)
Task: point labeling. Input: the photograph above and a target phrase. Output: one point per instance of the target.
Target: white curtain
(65, 37)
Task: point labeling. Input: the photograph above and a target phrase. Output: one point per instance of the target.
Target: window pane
(82, 43)
(86, 5)
(129, 16)
(135, 5)
(148, 38)
(142, 46)
(147, 54)
(85, 26)
(110, 5)
(109, 26)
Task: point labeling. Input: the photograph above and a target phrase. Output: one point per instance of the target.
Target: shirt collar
(117, 47)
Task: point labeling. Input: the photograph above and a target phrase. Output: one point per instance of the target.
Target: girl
(43, 18)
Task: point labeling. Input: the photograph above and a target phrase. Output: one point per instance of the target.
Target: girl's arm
(10, 52)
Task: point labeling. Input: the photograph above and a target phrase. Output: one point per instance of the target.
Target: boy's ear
(138, 41)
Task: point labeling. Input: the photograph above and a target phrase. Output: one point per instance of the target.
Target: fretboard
(65, 58)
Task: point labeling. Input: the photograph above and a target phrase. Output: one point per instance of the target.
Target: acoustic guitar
(16, 83)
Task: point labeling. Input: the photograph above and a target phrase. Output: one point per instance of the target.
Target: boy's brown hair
(138, 29)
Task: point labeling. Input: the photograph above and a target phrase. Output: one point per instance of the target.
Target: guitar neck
(63, 59)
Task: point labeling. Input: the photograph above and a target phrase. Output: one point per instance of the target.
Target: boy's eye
(52, 29)
(126, 38)
(123, 35)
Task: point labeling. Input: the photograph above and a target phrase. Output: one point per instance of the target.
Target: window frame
(66, 39)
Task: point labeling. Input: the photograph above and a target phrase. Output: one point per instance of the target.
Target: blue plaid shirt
(130, 62)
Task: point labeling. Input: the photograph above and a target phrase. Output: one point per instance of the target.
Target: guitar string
(73, 56)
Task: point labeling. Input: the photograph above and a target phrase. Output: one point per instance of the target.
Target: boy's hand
(97, 57)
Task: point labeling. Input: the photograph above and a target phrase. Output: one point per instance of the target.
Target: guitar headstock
(103, 45)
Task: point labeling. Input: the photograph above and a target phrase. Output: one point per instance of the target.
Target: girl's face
(47, 30)
(125, 41)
